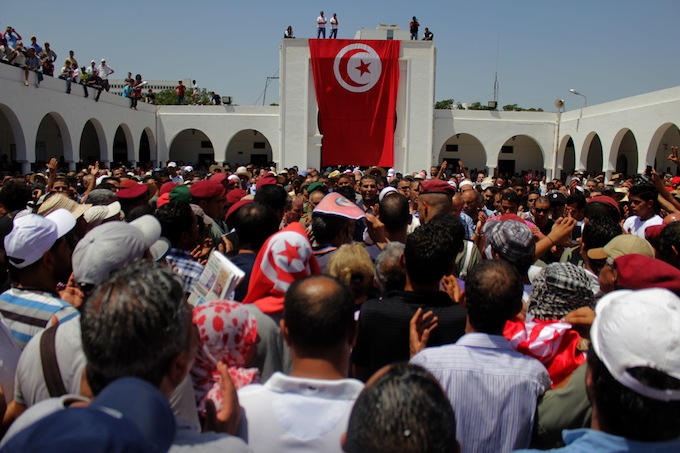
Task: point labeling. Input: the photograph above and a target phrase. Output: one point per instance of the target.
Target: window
(506, 149)
(259, 145)
(452, 148)
(206, 144)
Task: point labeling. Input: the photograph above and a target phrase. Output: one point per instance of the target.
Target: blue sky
(607, 49)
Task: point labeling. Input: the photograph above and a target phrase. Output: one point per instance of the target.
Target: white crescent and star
(357, 67)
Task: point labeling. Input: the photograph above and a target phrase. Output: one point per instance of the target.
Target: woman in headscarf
(227, 333)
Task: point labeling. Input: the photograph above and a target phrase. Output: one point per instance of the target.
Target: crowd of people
(40, 60)
(436, 311)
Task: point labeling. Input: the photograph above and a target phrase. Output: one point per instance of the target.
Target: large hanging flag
(356, 84)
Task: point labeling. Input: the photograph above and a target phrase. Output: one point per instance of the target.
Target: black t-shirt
(384, 326)
(245, 262)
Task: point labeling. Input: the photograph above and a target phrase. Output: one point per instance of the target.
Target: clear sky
(606, 49)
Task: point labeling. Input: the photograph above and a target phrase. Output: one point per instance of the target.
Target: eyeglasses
(542, 210)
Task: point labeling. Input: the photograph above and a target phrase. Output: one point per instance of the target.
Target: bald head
(472, 201)
(318, 314)
(670, 218)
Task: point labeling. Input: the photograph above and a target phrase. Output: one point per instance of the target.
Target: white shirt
(321, 21)
(103, 71)
(334, 22)
(634, 225)
(290, 414)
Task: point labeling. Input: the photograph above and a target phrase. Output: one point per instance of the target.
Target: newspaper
(218, 280)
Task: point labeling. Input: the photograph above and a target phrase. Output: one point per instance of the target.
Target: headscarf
(227, 333)
(285, 257)
(557, 290)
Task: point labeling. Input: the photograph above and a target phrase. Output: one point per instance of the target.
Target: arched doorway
(120, 147)
(463, 147)
(627, 154)
(249, 146)
(191, 146)
(595, 160)
(90, 151)
(147, 149)
(519, 154)
(9, 125)
(49, 142)
(666, 136)
(569, 160)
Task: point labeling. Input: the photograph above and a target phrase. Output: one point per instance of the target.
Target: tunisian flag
(356, 84)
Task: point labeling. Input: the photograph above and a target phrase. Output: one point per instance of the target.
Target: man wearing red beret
(211, 197)
(435, 198)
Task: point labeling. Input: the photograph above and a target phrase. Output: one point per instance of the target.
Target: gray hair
(101, 197)
(135, 324)
(388, 271)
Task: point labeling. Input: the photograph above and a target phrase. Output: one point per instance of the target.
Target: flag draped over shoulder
(356, 83)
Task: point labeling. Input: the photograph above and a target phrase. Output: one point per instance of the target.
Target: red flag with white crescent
(356, 83)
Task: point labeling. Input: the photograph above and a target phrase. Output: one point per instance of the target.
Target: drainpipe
(557, 144)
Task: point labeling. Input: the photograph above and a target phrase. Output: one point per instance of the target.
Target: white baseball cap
(639, 329)
(33, 235)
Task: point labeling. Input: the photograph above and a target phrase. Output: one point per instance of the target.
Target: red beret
(207, 189)
(654, 231)
(640, 272)
(163, 200)
(235, 195)
(606, 200)
(133, 192)
(675, 180)
(436, 186)
(167, 187)
(128, 183)
(266, 181)
(218, 178)
(235, 207)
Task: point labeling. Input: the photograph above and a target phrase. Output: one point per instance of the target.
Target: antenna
(495, 81)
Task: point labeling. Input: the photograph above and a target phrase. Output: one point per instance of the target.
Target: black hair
(15, 195)
(255, 222)
(139, 211)
(596, 209)
(493, 294)
(320, 318)
(348, 193)
(432, 248)
(578, 198)
(646, 192)
(510, 196)
(405, 410)
(176, 218)
(326, 227)
(394, 212)
(273, 196)
(670, 237)
(625, 413)
(135, 324)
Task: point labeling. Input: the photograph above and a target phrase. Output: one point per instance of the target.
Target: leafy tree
(443, 105)
(166, 97)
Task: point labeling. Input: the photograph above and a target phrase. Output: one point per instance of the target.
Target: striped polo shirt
(28, 312)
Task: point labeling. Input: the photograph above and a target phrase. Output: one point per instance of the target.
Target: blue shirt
(589, 441)
(493, 390)
(186, 266)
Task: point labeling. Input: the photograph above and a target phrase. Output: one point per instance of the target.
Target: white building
(623, 135)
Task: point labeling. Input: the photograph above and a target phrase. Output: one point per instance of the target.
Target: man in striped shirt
(39, 257)
(493, 389)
